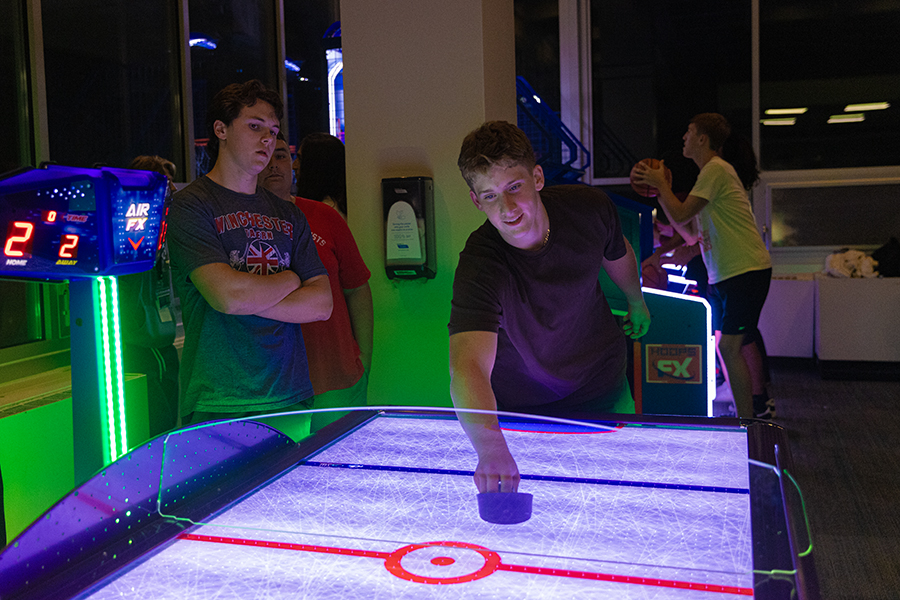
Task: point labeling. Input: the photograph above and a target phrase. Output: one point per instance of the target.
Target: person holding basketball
(530, 328)
(717, 213)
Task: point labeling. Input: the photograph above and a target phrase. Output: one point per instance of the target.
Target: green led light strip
(106, 377)
(113, 378)
(120, 376)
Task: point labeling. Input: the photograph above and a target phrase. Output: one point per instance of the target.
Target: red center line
(649, 581)
(652, 581)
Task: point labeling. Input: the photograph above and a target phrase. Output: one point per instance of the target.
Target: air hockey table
(381, 504)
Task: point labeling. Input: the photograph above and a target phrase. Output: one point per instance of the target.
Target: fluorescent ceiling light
(786, 111)
(847, 118)
(867, 106)
(781, 121)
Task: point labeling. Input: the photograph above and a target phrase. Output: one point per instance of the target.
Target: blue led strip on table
(586, 480)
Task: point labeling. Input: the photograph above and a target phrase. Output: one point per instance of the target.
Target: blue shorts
(737, 302)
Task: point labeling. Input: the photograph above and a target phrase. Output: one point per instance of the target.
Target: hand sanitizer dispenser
(409, 227)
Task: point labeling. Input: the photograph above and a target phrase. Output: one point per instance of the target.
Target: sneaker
(765, 410)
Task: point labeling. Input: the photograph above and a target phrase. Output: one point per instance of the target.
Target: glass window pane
(112, 73)
(311, 30)
(821, 57)
(20, 313)
(15, 127)
(817, 216)
(537, 48)
(656, 64)
(232, 41)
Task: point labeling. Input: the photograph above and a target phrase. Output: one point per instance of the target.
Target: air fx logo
(674, 363)
(137, 216)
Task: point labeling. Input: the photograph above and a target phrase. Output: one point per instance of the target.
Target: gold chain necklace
(546, 237)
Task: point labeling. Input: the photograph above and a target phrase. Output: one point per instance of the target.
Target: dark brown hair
(715, 127)
(322, 169)
(731, 146)
(228, 103)
(494, 143)
(153, 163)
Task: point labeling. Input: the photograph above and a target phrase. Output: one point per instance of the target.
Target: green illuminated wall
(416, 81)
(36, 457)
(36, 450)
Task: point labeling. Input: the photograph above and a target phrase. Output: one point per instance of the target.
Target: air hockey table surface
(381, 504)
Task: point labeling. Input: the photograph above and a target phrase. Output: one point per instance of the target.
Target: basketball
(646, 190)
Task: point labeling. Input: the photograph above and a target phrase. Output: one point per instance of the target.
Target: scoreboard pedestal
(98, 387)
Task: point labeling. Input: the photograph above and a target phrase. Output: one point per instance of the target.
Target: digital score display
(64, 222)
(20, 236)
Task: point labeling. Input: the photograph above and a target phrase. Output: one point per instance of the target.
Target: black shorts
(737, 301)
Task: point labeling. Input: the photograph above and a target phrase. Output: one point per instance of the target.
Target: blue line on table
(527, 477)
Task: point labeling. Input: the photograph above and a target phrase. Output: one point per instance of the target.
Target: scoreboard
(87, 226)
(67, 222)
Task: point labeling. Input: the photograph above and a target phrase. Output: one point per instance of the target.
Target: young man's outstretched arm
(472, 356)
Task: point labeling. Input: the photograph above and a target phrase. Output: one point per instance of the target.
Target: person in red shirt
(339, 350)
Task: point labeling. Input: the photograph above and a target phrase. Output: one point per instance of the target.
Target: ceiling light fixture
(847, 118)
(786, 111)
(867, 106)
(781, 121)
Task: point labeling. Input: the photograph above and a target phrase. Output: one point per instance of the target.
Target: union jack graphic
(262, 258)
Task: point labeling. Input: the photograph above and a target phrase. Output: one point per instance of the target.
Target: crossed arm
(281, 297)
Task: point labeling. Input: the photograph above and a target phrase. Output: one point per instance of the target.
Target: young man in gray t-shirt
(246, 270)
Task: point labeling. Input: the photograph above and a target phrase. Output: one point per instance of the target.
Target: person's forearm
(680, 214)
(473, 391)
(664, 248)
(670, 244)
(688, 231)
(311, 302)
(674, 208)
(362, 321)
(472, 357)
(238, 293)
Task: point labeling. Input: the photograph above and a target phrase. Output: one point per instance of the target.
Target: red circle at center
(442, 561)
(392, 563)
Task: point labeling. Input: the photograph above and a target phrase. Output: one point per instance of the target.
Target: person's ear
(538, 174)
(219, 128)
(475, 201)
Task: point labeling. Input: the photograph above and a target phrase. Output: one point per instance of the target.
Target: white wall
(418, 76)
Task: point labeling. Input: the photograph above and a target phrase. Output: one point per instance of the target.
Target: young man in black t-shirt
(530, 328)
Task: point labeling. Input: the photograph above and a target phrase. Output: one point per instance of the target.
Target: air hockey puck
(504, 508)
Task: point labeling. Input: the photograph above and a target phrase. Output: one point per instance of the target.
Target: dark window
(311, 28)
(822, 57)
(537, 48)
(657, 63)
(232, 41)
(16, 126)
(112, 75)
